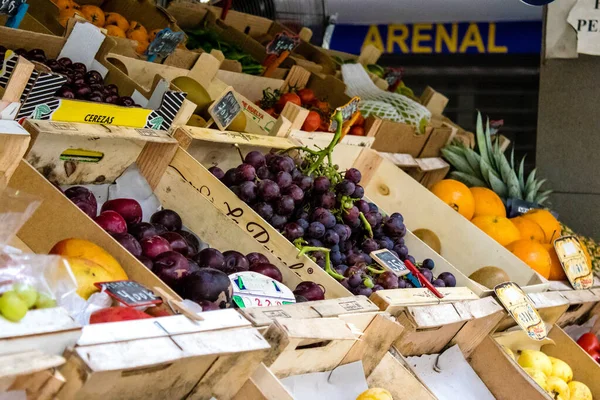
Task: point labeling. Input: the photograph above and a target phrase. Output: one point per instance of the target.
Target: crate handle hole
(312, 344)
(81, 155)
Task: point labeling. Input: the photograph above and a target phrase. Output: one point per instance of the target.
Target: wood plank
(248, 85)
(297, 78)
(295, 114)
(369, 55)
(27, 363)
(18, 81)
(398, 380)
(14, 141)
(395, 300)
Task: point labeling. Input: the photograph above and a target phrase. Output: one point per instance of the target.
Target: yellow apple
(579, 391)
(561, 370)
(538, 376)
(375, 394)
(558, 389)
(509, 352)
(536, 360)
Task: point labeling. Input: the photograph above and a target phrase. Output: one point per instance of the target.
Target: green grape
(27, 293)
(12, 307)
(45, 301)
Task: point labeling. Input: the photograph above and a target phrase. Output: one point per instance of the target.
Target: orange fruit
(112, 18)
(498, 228)
(152, 34)
(457, 195)
(93, 14)
(136, 26)
(587, 254)
(533, 254)
(64, 4)
(142, 47)
(487, 202)
(546, 220)
(557, 273)
(529, 229)
(66, 14)
(113, 30)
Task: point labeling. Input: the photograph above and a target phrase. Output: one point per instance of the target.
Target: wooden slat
(27, 363)
(392, 375)
(14, 142)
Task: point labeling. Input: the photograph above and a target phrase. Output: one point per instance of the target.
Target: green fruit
(45, 301)
(27, 293)
(195, 91)
(12, 307)
(490, 276)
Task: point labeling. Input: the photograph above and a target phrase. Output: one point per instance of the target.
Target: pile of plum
(81, 84)
(324, 214)
(177, 256)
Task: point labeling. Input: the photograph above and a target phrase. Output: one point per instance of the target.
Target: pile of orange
(114, 23)
(529, 236)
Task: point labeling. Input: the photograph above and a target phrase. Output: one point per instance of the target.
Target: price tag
(130, 293)
(10, 7)
(225, 109)
(165, 43)
(393, 76)
(348, 110)
(521, 308)
(389, 261)
(251, 289)
(574, 262)
(283, 41)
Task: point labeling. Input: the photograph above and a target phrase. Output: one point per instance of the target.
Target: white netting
(359, 84)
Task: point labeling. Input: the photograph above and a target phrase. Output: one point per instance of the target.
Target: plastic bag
(16, 208)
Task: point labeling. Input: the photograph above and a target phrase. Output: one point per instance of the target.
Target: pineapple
(489, 168)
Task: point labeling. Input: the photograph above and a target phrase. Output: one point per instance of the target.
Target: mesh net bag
(407, 111)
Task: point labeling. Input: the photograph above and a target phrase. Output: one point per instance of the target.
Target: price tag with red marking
(129, 293)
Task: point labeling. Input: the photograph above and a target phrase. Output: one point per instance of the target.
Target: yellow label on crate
(99, 113)
(574, 262)
(521, 308)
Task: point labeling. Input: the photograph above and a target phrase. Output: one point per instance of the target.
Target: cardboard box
(38, 101)
(13, 142)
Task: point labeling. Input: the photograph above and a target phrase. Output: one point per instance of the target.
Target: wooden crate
(582, 304)
(33, 372)
(463, 244)
(13, 142)
(212, 147)
(164, 358)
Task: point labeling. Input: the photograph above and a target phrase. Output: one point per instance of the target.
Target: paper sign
(225, 109)
(165, 43)
(521, 308)
(389, 261)
(348, 110)
(283, 41)
(10, 7)
(585, 19)
(130, 293)
(574, 262)
(251, 289)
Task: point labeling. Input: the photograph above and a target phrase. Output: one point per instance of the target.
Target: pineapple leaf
(469, 180)
(508, 175)
(542, 197)
(537, 185)
(521, 175)
(490, 147)
(512, 158)
(481, 142)
(529, 183)
(497, 185)
(457, 161)
(485, 171)
(474, 161)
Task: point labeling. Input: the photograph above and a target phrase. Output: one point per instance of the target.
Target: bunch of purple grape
(325, 216)
(81, 84)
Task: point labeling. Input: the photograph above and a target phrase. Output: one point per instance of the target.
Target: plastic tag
(225, 109)
(165, 43)
(10, 7)
(283, 41)
(521, 308)
(348, 110)
(129, 293)
(389, 261)
(251, 289)
(574, 262)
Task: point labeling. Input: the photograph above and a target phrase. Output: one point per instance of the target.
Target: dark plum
(210, 285)
(353, 175)
(167, 218)
(269, 270)
(155, 245)
(235, 262)
(245, 172)
(268, 190)
(177, 242)
(143, 230)
(84, 206)
(173, 268)
(111, 221)
(256, 258)
(255, 158)
(160, 229)
(321, 184)
(292, 231)
(285, 205)
(82, 193)
(210, 258)
(129, 242)
(345, 187)
(278, 221)
(146, 261)
(217, 172)
(129, 209)
(310, 290)
(248, 191)
(263, 209)
(36, 55)
(192, 241)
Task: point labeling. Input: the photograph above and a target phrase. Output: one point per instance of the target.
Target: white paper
(585, 19)
(140, 99)
(14, 395)
(456, 379)
(83, 44)
(343, 383)
(158, 94)
(12, 127)
(576, 331)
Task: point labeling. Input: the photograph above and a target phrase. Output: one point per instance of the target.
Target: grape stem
(368, 282)
(328, 269)
(366, 223)
(326, 152)
(376, 271)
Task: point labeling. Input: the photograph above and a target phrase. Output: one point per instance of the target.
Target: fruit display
(323, 213)
(589, 342)
(81, 84)
(15, 303)
(115, 24)
(552, 374)
(207, 40)
(320, 112)
(177, 256)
